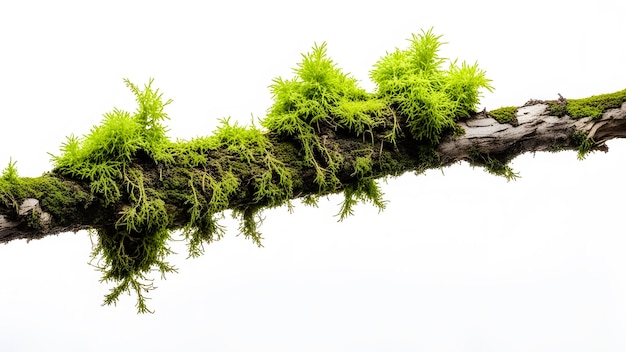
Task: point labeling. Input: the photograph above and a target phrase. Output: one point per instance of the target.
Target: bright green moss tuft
(137, 243)
(505, 115)
(321, 96)
(592, 107)
(362, 166)
(9, 174)
(319, 89)
(429, 99)
(432, 99)
(103, 155)
(596, 105)
(247, 142)
(359, 116)
(110, 160)
(9, 186)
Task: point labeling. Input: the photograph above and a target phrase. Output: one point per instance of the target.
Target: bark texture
(537, 130)
(54, 204)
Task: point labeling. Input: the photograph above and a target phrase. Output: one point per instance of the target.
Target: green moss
(105, 158)
(362, 166)
(364, 190)
(495, 165)
(432, 99)
(410, 81)
(56, 197)
(557, 108)
(321, 96)
(250, 219)
(110, 159)
(9, 174)
(505, 115)
(428, 159)
(9, 186)
(203, 226)
(247, 142)
(592, 107)
(274, 186)
(132, 168)
(584, 143)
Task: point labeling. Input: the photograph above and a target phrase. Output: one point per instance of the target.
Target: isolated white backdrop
(460, 260)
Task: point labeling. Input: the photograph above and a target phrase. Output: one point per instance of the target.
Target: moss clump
(505, 115)
(321, 97)
(104, 155)
(557, 108)
(318, 103)
(431, 99)
(54, 194)
(592, 107)
(106, 158)
(114, 158)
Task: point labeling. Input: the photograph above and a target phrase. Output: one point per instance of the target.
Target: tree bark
(40, 211)
(537, 131)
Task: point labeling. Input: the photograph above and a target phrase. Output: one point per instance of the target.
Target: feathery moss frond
(10, 174)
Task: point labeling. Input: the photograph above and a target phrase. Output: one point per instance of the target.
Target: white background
(460, 261)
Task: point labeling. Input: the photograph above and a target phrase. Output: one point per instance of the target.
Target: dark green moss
(494, 164)
(58, 198)
(555, 148)
(584, 143)
(428, 158)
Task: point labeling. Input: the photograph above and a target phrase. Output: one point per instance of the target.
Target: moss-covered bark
(157, 197)
(72, 206)
(130, 184)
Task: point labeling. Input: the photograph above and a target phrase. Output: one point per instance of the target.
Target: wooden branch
(43, 212)
(537, 130)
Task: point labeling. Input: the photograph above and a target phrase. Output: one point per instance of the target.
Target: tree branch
(536, 130)
(31, 208)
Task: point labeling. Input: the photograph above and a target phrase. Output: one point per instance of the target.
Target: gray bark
(537, 131)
